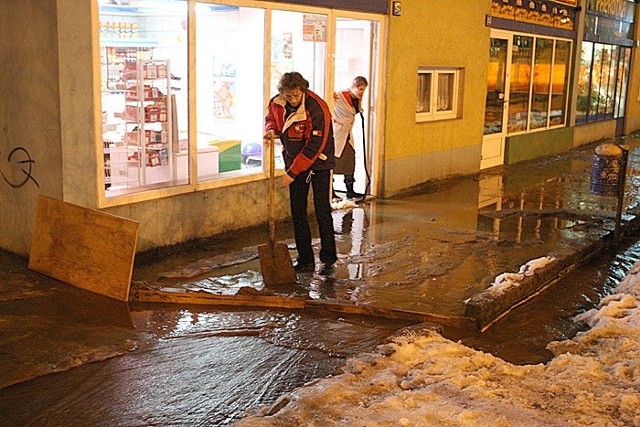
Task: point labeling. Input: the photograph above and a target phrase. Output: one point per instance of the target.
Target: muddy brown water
(192, 365)
(206, 367)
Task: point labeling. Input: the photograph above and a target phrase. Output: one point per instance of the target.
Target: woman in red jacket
(302, 121)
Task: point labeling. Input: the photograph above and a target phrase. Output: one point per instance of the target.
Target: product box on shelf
(157, 137)
(149, 93)
(155, 71)
(150, 71)
(157, 157)
(131, 113)
(150, 137)
(155, 113)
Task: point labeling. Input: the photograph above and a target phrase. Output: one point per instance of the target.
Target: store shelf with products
(139, 116)
(113, 60)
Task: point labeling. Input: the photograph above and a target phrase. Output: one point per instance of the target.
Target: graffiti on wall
(16, 169)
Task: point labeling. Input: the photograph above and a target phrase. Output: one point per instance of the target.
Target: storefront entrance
(495, 117)
(356, 44)
(527, 90)
(163, 129)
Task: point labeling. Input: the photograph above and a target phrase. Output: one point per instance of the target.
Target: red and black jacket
(306, 133)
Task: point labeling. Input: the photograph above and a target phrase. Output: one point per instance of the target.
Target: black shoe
(302, 267)
(327, 269)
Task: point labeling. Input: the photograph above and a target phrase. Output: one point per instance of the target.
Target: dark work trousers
(320, 180)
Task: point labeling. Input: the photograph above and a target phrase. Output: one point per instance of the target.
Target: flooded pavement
(429, 251)
(432, 250)
(522, 336)
(204, 368)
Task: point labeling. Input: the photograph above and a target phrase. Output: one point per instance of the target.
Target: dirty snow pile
(506, 280)
(423, 379)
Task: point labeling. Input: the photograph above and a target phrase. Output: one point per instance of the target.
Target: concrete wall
(30, 151)
(584, 134)
(536, 144)
(437, 33)
(177, 219)
(80, 122)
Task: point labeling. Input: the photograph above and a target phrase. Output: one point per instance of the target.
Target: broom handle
(272, 190)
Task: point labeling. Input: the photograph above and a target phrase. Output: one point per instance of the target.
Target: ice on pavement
(420, 378)
(505, 280)
(529, 268)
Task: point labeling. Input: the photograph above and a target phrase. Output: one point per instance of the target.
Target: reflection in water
(335, 334)
(431, 251)
(422, 252)
(351, 223)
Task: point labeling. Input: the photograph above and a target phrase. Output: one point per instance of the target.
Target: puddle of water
(419, 252)
(522, 336)
(429, 252)
(331, 333)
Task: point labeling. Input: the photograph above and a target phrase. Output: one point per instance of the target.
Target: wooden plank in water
(180, 296)
(86, 248)
(442, 319)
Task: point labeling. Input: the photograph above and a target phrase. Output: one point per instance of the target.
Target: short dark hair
(360, 81)
(292, 80)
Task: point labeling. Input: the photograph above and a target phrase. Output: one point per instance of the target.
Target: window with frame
(143, 61)
(538, 83)
(230, 117)
(602, 82)
(437, 93)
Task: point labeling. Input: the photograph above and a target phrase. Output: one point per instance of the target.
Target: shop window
(602, 82)
(605, 60)
(598, 87)
(611, 84)
(622, 79)
(437, 93)
(494, 105)
(230, 84)
(143, 55)
(539, 83)
(521, 64)
(560, 83)
(584, 82)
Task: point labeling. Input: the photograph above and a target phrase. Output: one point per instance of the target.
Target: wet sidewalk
(436, 251)
(433, 251)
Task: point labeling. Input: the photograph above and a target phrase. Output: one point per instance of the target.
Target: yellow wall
(437, 33)
(590, 132)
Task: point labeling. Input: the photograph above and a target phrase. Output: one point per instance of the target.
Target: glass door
(496, 101)
(299, 43)
(356, 45)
